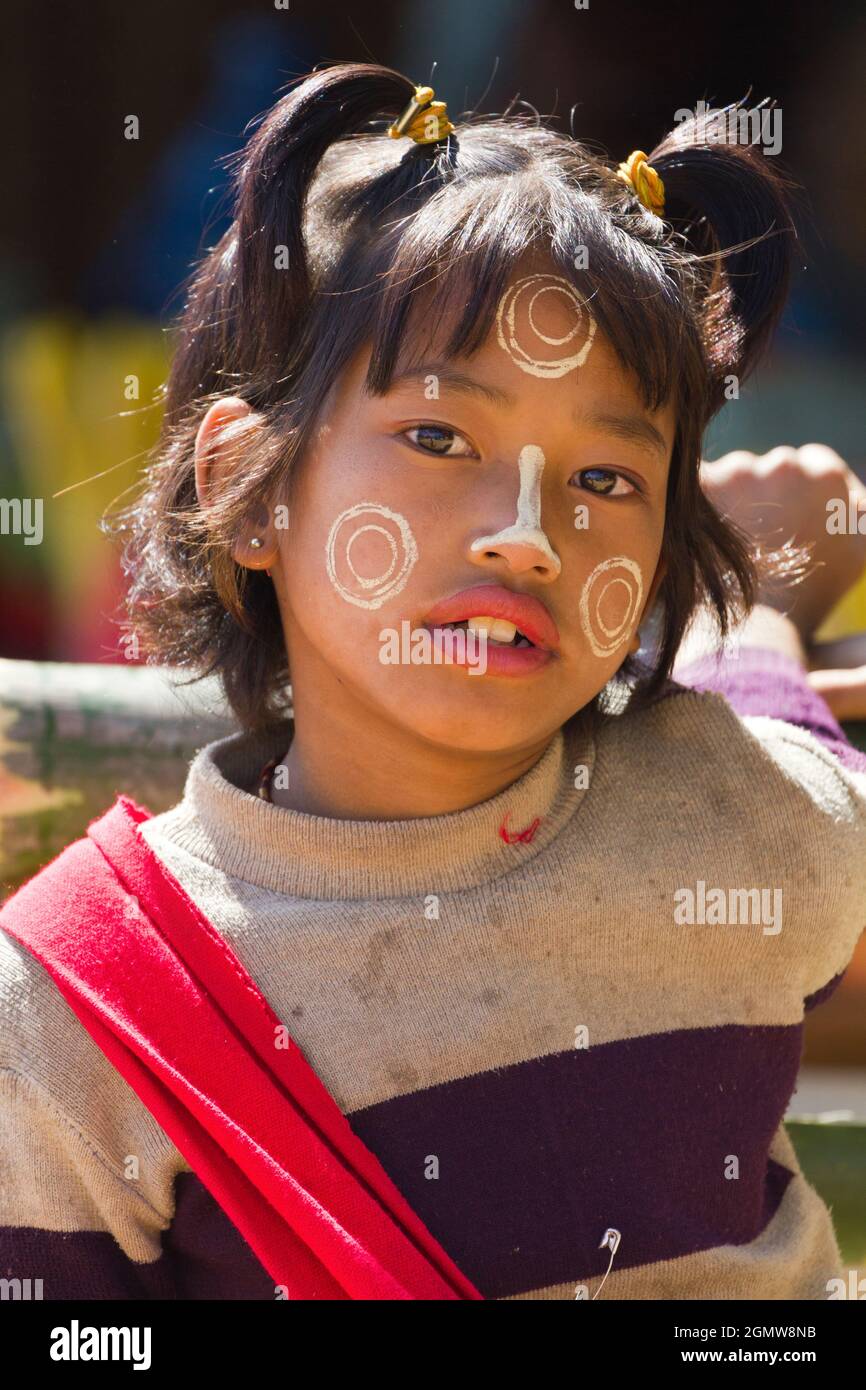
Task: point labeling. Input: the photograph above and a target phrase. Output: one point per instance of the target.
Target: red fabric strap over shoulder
(173, 1009)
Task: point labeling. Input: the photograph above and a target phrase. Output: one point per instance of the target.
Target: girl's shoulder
(744, 802)
(763, 767)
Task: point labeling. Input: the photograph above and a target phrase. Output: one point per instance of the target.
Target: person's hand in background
(783, 496)
(789, 495)
(839, 675)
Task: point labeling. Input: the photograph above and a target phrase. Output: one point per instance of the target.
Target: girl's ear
(216, 445)
(219, 449)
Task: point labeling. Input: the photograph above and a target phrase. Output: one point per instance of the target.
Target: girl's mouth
(491, 645)
(500, 633)
(505, 633)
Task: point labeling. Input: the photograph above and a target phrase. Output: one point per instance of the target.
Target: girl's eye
(605, 483)
(438, 439)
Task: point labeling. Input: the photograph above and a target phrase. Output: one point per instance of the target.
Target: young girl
(481, 970)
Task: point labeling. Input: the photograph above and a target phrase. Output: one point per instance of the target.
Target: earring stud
(256, 543)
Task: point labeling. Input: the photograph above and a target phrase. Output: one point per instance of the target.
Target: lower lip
(508, 661)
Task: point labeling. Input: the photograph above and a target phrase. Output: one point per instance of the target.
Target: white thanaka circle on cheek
(520, 300)
(618, 573)
(527, 528)
(364, 519)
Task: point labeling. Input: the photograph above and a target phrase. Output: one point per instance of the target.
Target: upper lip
(529, 615)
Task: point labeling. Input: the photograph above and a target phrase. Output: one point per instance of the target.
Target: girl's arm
(60, 1204)
(71, 1222)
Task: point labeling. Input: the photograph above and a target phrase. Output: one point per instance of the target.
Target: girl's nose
(523, 546)
(520, 550)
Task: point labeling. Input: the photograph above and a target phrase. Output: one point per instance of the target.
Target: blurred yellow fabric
(78, 396)
(848, 617)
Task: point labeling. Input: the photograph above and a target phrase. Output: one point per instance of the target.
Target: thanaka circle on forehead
(372, 517)
(521, 297)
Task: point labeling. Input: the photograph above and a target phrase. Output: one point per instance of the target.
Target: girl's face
(528, 481)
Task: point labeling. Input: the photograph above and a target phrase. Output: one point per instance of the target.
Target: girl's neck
(385, 773)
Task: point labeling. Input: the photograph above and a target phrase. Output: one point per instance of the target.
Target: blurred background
(100, 230)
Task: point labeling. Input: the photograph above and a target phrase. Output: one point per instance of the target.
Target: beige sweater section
(411, 958)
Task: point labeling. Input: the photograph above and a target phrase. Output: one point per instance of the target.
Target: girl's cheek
(611, 603)
(369, 554)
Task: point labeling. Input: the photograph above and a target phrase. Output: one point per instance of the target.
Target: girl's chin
(474, 717)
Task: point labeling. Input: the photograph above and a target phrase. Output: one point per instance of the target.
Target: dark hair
(378, 236)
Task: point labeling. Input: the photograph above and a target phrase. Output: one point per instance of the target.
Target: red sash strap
(173, 1009)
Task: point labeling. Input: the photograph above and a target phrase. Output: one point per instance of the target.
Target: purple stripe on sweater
(210, 1256)
(762, 681)
(203, 1256)
(80, 1264)
(537, 1160)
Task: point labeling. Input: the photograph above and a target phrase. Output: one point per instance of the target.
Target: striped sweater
(573, 1007)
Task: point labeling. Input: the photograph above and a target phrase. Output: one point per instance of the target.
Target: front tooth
(499, 629)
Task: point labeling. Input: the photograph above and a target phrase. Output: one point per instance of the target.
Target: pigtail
(730, 203)
(278, 166)
(262, 256)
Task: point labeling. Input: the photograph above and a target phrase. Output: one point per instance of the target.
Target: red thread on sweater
(521, 837)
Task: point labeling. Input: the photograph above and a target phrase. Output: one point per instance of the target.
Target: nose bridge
(524, 544)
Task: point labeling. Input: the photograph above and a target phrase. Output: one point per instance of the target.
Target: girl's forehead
(534, 334)
(547, 353)
(540, 321)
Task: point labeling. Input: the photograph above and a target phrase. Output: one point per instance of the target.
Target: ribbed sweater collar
(223, 822)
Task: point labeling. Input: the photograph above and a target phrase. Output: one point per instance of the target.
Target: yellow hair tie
(425, 121)
(644, 182)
